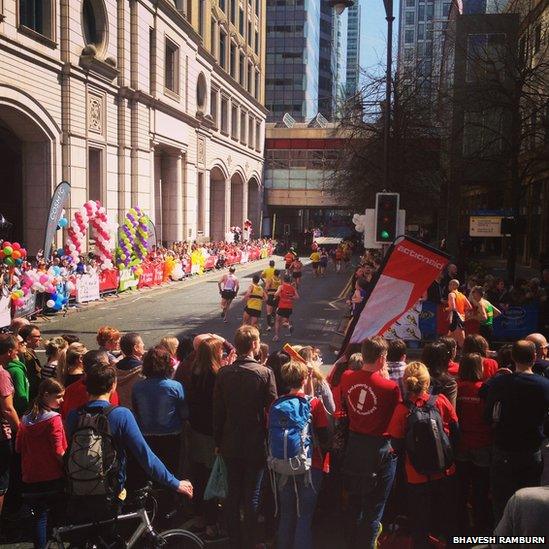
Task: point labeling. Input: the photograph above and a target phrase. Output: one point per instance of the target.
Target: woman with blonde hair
(54, 348)
(70, 367)
(171, 343)
(207, 363)
(316, 384)
(432, 495)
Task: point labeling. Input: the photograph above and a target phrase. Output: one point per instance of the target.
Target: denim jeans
(510, 471)
(244, 484)
(297, 502)
(369, 470)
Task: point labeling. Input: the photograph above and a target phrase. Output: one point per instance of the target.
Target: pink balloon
(44, 278)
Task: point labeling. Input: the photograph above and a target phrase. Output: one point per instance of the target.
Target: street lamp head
(340, 5)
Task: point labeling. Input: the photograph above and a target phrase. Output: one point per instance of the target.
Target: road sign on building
(487, 226)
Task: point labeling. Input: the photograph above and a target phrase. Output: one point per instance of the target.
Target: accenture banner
(408, 270)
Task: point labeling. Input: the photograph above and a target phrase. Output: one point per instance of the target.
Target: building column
(179, 182)
(244, 203)
(227, 216)
(206, 202)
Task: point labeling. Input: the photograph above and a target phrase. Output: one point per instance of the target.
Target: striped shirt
(396, 373)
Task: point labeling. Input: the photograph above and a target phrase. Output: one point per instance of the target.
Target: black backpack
(91, 461)
(427, 444)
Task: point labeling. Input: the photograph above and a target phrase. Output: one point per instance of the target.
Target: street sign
(487, 226)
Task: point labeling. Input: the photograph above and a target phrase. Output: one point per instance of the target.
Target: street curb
(160, 289)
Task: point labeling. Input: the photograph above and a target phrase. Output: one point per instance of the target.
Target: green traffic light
(384, 235)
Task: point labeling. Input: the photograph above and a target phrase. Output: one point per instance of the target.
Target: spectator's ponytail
(48, 386)
(416, 378)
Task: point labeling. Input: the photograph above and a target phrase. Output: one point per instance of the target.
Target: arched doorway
(26, 166)
(254, 206)
(217, 204)
(237, 200)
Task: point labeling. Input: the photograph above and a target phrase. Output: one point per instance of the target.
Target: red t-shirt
(40, 443)
(489, 368)
(6, 389)
(76, 396)
(475, 432)
(397, 429)
(370, 400)
(285, 297)
(453, 368)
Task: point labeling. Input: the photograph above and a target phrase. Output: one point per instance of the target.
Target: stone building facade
(154, 103)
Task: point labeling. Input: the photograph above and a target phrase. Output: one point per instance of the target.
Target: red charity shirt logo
(362, 399)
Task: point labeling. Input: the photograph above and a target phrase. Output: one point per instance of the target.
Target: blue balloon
(60, 252)
(62, 223)
(54, 296)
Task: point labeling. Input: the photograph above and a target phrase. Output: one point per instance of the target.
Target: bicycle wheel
(182, 539)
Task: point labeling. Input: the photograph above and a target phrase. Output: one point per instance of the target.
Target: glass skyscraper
(353, 50)
(305, 59)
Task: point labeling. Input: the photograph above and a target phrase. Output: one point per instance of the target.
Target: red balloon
(2, 254)
(23, 252)
(16, 246)
(6, 243)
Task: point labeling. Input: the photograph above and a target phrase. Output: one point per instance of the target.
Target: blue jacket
(160, 406)
(127, 436)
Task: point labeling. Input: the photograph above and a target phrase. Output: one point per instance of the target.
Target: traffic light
(386, 217)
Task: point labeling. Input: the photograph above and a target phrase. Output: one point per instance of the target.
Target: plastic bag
(217, 487)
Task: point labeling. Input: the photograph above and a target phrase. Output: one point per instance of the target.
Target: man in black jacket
(243, 394)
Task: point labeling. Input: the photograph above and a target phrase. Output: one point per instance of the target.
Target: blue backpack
(290, 437)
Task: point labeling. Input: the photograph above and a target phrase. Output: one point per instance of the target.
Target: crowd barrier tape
(88, 287)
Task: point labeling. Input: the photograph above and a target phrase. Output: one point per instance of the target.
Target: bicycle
(144, 535)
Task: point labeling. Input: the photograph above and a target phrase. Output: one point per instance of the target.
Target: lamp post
(389, 17)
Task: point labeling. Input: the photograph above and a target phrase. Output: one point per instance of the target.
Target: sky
(373, 32)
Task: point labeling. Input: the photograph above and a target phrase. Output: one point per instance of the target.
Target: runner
(458, 305)
(296, 269)
(272, 285)
(338, 256)
(347, 251)
(286, 295)
(315, 258)
(228, 288)
(289, 258)
(254, 302)
(268, 272)
(323, 261)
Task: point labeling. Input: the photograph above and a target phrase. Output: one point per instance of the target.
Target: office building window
(232, 60)
(201, 17)
(430, 11)
(410, 3)
(241, 21)
(241, 69)
(222, 49)
(213, 41)
(258, 136)
(224, 115)
(171, 66)
(409, 18)
(234, 4)
(421, 13)
(257, 7)
(408, 36)
(256, 43)
(152, 61)
(257, 86)
(222, 4)
(249, 37)
(251, 127)
(243, 118)
(38, 16)
(213, 106)
(250, 77)
(234, 122)
(420, 32)
(446, 9)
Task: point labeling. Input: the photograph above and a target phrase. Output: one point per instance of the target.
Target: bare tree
(413, 148)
